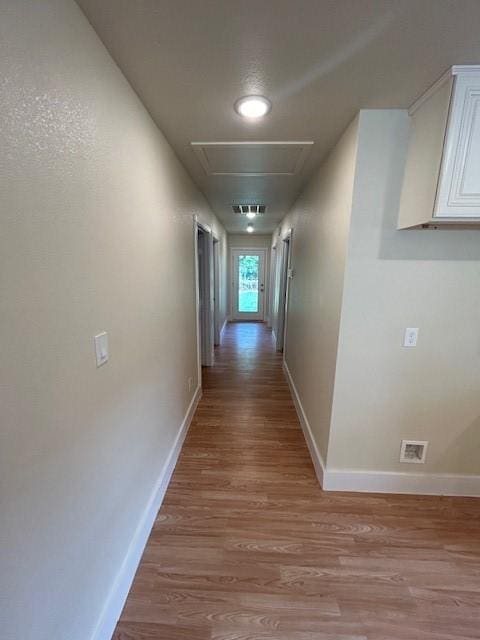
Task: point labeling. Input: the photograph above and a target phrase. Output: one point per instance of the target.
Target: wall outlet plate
(410, 337)
(413, 451)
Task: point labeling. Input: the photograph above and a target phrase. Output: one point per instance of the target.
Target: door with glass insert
(248, 284)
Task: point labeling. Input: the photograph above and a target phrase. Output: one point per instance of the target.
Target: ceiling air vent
(257, 209)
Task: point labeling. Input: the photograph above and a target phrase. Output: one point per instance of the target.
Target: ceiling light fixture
(251, 215)
(253, 107)
(250, 228)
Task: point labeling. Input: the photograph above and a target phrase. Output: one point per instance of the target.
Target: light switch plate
(411, 337)
(101, 348)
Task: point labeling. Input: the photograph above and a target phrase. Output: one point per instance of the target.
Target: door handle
(261, 287)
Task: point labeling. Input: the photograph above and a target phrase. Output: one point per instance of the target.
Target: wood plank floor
(248, 547)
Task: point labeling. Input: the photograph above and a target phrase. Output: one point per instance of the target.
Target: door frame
(271, 287)
(216, 290)
(253, 250)
(204, 313)
(284, 291)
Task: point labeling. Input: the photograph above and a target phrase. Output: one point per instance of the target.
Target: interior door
(248, 290)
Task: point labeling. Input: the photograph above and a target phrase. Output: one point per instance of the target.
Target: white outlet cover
(410, 337)
(101, 348)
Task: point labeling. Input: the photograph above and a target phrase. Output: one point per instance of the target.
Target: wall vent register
(413, 451)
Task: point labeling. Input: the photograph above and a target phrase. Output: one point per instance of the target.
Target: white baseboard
(122, 583)
(438, 484)
(315, 454)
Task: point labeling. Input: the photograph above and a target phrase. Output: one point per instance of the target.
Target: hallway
(175, 172)
(247, 547)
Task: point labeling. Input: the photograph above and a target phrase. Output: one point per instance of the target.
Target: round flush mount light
(252, 107)
(251, 215)
(250, 228)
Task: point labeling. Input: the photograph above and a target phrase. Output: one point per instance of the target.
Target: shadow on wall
(343, 53)
(418, 244)
(464, 452)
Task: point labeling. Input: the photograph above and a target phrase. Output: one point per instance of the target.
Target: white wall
(320, 221)
(96, 234)
(249, 241)
(397, 279)
(359, 282)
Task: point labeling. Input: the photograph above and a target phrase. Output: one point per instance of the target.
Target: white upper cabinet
(459, 184)
(442, 175)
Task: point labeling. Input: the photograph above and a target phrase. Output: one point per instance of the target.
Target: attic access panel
(252, 158)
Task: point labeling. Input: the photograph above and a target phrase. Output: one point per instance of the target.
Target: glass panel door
(248, 288)
(248, 267)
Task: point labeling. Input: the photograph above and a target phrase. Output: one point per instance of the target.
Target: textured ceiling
(319, 62)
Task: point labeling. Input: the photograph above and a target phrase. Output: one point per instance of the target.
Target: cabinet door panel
(459, 185)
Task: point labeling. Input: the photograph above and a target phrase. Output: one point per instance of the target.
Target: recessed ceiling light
(252, 107)
(250, 228)
(251, 215)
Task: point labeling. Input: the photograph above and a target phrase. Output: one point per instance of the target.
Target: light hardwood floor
(247, 546)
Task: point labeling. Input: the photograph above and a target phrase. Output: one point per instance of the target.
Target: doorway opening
(248, 284)
(205, 295)
(285, 273)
